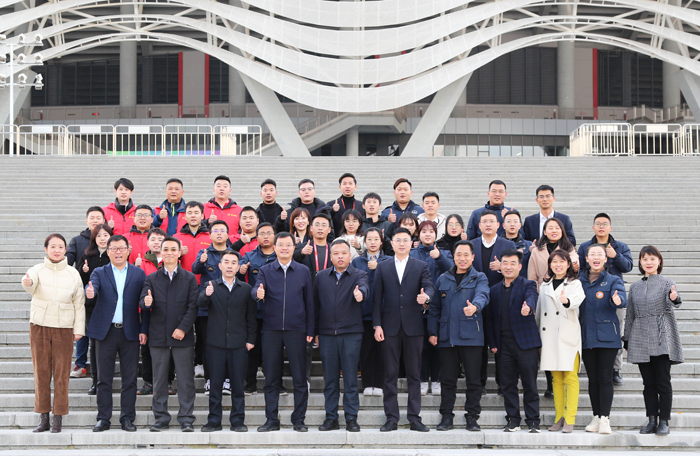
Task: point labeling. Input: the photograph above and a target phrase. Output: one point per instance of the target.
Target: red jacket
(229, 214)
(122, 223)
(194, 244)
(240, 247)
(138, 242)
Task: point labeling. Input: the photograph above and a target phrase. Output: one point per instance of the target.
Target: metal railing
(639, 139)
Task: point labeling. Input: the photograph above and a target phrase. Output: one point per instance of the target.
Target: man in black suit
(116, 327)
(532, 227)
(402, 291)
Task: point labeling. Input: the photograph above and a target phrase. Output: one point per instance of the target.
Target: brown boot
(43, 424)
(56, 424)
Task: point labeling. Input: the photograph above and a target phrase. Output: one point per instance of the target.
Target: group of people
(224, 292)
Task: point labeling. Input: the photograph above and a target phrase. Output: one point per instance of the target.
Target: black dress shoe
(662, 428)
(419, 426)
(617, 379)
(239, 427)
(187, 427)
(329, 425)
(650, 428)
(211, 427)
(300, 427)
(158, 426)
(102, 425)
(269, 426)
(446, 423)
(388, 426)
(93, 390)
(472, 425)
(128, 426)
(352, 426)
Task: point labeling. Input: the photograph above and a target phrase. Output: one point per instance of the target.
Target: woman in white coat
(561, 294)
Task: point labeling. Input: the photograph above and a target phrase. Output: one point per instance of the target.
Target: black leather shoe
(388, 426)
(300, 427)
(211, 427)
(650, 428)
(446, 423)
(93, 390)
(329, 425)
(187, 427)
(239, 427)
(269, 426)
(128, 426)
(158, 426)
(419, 426)
(617, 379)
(472, 425)
(352, 426)
(662, 428)
(102, 425)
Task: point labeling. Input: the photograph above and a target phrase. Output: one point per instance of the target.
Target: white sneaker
(207, 386)
(594, 425)
(227, 387)
(437, 390)
(424, 388)
(604, 427)
(368, 391)
(198, 371)
(377, 392)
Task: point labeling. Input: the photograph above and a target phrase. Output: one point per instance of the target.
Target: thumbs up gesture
(148, 300)
(495, 265)
(392, 216)
(26, 280)
(203, 257)
(261, 292)
(307, 250)
(525, 311)
(86, 268)
(357, 293)
(435, 253)
(562, 297)
(673, 295)
(138, 261)
(336, 206)
(422, 298)
(616, 299)
(283, 215)
(90, 291)
(210, 289)
(111, 222)
(470, 309)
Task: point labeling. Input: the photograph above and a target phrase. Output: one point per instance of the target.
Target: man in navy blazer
(513, 336)
(402, 291)
(532, 227)
(117, 327)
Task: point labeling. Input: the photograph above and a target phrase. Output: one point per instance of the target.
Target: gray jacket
(651, 328)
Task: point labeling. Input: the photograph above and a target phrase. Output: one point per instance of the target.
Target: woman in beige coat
(553, 238)
(561, 294)
(56, 319)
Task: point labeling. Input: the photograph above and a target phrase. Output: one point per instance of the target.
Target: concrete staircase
(652, 200)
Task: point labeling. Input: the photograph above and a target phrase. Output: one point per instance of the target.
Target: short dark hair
(195, 204)
(429, 194)
(513, 212)
(602, 215)
(374, 229)
(172, 239)
(230, 252)
(95, 209)
(268, 182)
(222, 178)
(249, 209)
(488, 212)
(564, 255)
(218, 222)
(340, 241)
(340, 180)
(653, 251)
(305, 181)
(176, 180)
(144, 206)
(400, 181)
(497, 182)
(544, 188)
(400, 231)
(125, 182)
(155, 232)
(52, 236)
(513, 252)
(117, 238)
(372, 195)
(263, 225)
(282, 235)
(322, 215)
(463, 242)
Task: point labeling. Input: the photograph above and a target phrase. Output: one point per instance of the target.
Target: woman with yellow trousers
(561, 294)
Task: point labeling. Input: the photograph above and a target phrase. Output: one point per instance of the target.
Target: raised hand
(562, 297)
(336, 206)
(148, 300)
(357, 293)
(435, 253)
(210, 289)
(86, 268)
(27, 281)
(495, 265)
(111, 222)
(673, 295)
(307, 250)
(203, 257)
(470, 309)
(90, 291)
(392, 216)
(261, 292)
(138, 261)
(525, 310)
(283, 215)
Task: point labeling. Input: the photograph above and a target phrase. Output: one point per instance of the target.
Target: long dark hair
(92, 248)
(564, 255)
(354, 213)
(564, 243)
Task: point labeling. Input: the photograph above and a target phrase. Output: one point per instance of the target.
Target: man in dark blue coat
(532, 227)
(116, 327)
(513, 337)
(402, 291)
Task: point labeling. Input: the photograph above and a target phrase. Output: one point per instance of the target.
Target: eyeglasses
(118, 249)
(143, 215)
(601, 225)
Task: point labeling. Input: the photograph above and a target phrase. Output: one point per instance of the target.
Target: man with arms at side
(533, 225)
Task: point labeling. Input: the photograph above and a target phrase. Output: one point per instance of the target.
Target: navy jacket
(231, 323)
(412, 207)
(394, 303)
(337, 311)
(501, 245)
(447, 319)
(289, 297)
(617, 266)
(361, 263)
(531, 227)
(600, 327)
(473, 230)
(525, 330)
(255, 259)
(106, 296)
(524, 247)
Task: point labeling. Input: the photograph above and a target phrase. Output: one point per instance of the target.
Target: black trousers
(658, 393)
(371, 358)
(275, 343)
(599, 364)
(226, 363)
(515, 362)
(254, 360)
(200, 343)
(147, 366)
(408, 348)
(106, 353)
(450, 360)
(430, 362)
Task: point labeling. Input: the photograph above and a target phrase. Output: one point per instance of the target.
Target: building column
(128, 65)
(352, 142)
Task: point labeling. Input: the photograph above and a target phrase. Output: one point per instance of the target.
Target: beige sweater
(58, 298)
